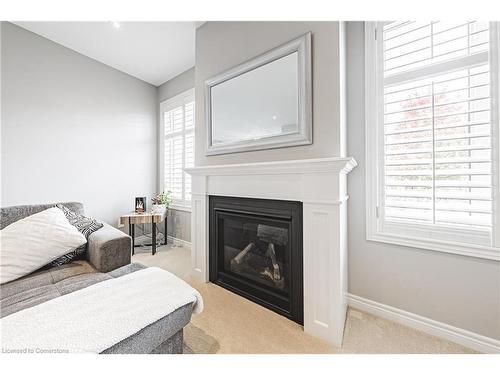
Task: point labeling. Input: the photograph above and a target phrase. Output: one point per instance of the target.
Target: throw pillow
(85, 226)
(34, 241)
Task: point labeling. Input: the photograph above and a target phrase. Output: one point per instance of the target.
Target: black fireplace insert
(256, 251)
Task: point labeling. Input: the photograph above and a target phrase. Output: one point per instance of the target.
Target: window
(177, 119)
(432, 135)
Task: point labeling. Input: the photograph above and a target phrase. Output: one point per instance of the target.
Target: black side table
(145, 218)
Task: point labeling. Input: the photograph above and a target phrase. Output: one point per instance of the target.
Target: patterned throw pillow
(85, 226)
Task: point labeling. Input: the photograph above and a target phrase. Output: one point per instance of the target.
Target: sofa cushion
(34, 241)
(85, 226)
(81, 281)
(129, 268)
(44, 285)
(35, 280)
(28, 298)
(11, 214)
(80, 267)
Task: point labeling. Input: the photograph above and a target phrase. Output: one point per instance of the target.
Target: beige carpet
(232, 324)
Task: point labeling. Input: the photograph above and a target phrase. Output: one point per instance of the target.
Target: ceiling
(151, 51)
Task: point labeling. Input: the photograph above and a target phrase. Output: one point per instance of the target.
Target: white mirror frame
(303, 136)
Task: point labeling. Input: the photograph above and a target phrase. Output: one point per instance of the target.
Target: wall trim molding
(297, 167)
(460, 336)
(450, 247)
(178, 241)
(330, 202)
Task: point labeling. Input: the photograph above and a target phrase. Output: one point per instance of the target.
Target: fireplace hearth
(256, 251)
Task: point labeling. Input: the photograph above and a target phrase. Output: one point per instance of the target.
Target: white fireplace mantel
(320, 184)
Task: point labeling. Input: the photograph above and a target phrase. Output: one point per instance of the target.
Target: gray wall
(457, 290)
(223, 45)
(73, 128)
(176, 85)
(179, 222)
(179, 225)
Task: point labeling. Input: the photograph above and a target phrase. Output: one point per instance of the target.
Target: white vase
(158, 208)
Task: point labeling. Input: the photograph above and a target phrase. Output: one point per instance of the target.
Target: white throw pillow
(35, 241)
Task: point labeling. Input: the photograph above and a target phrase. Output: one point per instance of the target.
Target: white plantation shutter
(188, 163)
(437, 124)
(178, 124)
(413, 45)
(173, 167)
(437, 130)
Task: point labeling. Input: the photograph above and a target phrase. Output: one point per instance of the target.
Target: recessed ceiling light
(115, 24)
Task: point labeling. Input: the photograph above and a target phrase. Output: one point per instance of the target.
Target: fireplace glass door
(256, 251)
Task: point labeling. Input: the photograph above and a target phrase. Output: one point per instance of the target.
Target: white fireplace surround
(320, 184)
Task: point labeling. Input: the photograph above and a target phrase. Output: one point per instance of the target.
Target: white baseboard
(178, 241)
(460, 336)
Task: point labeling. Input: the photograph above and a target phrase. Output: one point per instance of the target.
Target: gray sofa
(108, 256)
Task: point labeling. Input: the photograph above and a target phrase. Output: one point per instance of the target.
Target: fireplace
(320, 187)
(256, 251)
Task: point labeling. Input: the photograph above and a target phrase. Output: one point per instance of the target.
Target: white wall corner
(342, 89)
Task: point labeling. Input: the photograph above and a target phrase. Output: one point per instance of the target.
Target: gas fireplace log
(239, 258)
(280, 283)
(276, 235)
(272, 254)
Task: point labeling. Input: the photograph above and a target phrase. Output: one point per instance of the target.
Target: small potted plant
(161, 202)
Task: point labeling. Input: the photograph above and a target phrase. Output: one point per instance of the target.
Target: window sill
(470, 250)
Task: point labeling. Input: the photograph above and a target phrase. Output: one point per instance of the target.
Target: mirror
(257, 115)
(263, 103)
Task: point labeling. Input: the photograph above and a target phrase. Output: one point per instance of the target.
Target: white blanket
(97, 317)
